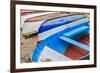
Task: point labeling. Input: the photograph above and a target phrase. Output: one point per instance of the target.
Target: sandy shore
(27, 47)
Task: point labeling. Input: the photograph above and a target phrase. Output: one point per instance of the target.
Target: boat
(32, 22)
(62, 39)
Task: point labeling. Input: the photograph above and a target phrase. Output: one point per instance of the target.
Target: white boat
(30, 25)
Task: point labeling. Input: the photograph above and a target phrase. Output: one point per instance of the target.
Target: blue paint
(52, 23)
(88, 31)
(37, 52)
(76, 31)
(68, 40)
(54, 42)
(48, 27)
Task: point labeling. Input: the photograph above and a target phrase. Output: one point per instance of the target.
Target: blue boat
(52, 23)
(58, 34)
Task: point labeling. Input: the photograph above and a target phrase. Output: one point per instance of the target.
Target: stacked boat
(30, 22)
(62, 36)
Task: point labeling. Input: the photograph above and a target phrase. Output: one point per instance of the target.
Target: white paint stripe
(48, 33)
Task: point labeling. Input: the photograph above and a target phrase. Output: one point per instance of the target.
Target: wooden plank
(76, 31)
(68, 40)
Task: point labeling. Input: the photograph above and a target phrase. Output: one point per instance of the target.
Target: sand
(27, 47)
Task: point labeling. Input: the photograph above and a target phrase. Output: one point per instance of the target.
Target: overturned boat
(32, 22)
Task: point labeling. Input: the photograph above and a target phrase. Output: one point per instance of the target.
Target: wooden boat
(77, 53)
(28, 14)
(60, 40)
(31, 24)
(47, 26)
